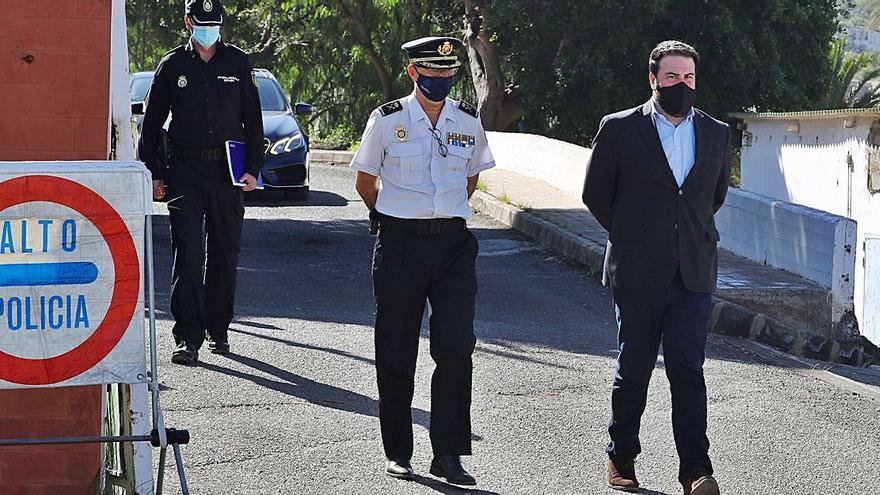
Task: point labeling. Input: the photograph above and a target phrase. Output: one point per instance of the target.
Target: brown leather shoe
(704, 485)
(621, 474)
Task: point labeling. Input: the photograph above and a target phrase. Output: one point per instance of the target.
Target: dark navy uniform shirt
(210, 103)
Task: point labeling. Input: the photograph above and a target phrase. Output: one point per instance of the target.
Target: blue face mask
(206, 35)
(435, 88)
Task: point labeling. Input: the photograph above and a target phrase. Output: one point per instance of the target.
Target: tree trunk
(364, 38)
(499, 106)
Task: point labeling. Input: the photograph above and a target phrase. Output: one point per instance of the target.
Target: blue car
(286, 166)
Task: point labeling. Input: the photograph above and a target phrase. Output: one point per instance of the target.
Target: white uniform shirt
(416, 181)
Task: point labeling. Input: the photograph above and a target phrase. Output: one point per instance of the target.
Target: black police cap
(205, 12)
(434, 52)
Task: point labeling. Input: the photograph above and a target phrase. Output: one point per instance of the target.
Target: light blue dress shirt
(679, 143)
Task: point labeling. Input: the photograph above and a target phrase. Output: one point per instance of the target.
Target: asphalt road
(294, 410)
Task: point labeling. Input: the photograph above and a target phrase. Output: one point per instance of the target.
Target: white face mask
(206, 35)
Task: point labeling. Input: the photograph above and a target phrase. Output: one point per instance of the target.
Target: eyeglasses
(440, 146)
(427, 72)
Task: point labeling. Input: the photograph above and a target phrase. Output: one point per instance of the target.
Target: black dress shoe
(399, 469)
(218, 346)
(450, 468)
(185, 355)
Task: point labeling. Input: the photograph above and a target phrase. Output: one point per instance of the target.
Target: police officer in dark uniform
(210, 89)
(418, 163)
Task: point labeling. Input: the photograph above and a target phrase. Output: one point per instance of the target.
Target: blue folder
(236, 158)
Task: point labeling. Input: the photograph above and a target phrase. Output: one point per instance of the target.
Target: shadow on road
(445, 488)
(300, 345)
(321, 271)
(274, 198)
(309, 270)
(255, 324)
(311, 391)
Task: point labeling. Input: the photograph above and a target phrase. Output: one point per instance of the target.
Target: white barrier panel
(816, 245)
(558, 163)
(71, 273)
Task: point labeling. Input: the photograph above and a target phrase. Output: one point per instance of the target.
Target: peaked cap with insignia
(205, 12)
(434, 52)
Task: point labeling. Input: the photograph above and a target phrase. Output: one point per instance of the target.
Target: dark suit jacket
(654, 227)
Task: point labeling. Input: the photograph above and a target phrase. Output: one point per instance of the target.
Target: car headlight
(288, 144)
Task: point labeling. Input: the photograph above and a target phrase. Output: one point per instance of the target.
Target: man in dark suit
(656, 177)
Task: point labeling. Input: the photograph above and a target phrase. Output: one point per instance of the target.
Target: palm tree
(844, 90)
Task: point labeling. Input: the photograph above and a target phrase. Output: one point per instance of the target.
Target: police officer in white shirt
(417, 165)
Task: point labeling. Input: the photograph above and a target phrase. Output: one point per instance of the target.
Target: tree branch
(499, 107)
(364, 38)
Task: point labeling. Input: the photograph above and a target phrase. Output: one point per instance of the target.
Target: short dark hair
(671, 47)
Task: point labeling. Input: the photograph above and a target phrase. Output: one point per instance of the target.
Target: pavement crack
(276, 453)
(550, 392)
(229, 406)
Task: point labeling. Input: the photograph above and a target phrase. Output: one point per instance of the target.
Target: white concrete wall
(562, 165)
(811, 167)
(801, 240)
(121, 124)
(120, 102)
(782, 166)
(808, 167)
(814, 244)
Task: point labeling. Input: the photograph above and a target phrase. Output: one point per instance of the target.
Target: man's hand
(250, 182)
(472, 185)
(368, 187)
(158, 190)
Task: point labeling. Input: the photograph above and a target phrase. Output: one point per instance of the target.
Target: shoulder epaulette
(467, 108)
(392, 107)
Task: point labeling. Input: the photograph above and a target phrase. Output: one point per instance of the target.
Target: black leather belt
(432, 226)
(204, 154)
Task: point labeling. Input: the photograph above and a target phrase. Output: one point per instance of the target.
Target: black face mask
(676, 100)
(435, 88)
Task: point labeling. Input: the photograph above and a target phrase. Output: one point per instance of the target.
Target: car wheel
(297, 194)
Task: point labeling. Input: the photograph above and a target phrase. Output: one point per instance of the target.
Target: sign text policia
(53, 311)
(70, 276)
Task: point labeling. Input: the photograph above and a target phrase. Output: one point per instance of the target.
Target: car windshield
(271, 98)
(139, 88)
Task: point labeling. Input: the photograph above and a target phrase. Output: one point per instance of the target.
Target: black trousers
(408, 269)
(680, 320)
(203, 202)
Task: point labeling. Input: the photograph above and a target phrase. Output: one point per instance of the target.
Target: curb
(551, 236)
(727, 318)
(331, 157)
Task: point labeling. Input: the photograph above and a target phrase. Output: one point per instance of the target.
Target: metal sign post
(164, 437)
(57, 190)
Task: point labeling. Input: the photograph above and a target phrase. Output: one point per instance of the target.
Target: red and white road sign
(71, 273)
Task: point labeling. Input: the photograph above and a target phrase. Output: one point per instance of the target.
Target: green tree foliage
(343, 56)
(768, 55)
(854, 79)
(154, 27)
(567, 62)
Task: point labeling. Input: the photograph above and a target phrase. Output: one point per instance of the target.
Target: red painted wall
(55, 108)
(50, 469)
